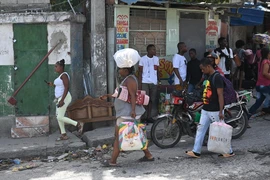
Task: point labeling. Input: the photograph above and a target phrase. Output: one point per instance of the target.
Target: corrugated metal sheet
(250, 17)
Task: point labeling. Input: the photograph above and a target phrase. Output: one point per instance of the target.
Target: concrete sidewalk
(38, 146)
(48, 146)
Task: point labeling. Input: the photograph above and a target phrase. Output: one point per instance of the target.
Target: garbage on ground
(17, 161)
(6, 164)
(21, 168)
(92, 154)
(95, 154)
(63, 156)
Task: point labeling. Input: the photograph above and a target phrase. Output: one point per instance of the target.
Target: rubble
(92, 154)
(21, 168)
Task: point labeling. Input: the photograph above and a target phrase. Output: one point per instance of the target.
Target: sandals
(79, 128)
(146, 159)
(62, 138)
(193, 154)
(227, 155)
(107, 163)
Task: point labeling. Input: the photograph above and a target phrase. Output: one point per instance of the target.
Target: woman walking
(63, 99)
(125, 60)
(263, 82)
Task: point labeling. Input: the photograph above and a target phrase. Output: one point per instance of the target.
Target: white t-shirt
(180, 62)
(149, 74)
(221, 64)
(59, 86)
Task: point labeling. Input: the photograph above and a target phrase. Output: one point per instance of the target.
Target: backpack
(250, 57)
(228, 61)
(228, 91)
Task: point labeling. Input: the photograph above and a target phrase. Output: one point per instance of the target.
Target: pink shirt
(262, 81)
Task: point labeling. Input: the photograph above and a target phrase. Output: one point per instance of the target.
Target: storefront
(139, 26)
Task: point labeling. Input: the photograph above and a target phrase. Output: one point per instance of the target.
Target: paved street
(252, 161)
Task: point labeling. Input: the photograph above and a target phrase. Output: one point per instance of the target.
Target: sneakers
(193, 154)
(227, 155)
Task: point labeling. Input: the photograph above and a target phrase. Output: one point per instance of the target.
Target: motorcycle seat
(178, 93)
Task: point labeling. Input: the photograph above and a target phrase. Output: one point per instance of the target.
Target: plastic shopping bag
(220, 135)
(132, 136)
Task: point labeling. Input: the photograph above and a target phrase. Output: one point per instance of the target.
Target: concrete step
(32, 121)
(105, 135)
(28, 132)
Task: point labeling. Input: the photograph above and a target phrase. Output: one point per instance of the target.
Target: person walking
(148, 81)
(240, 53)
(180, 67)
(263, 82)
(213, 106)
(226, 56)
(63, 99)
(194, 72)
(124, 111)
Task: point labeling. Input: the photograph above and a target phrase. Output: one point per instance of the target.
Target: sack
(132, 136)
(220, 135)
(141, 97)
(250, 57)
(229, 93)
(261, 38)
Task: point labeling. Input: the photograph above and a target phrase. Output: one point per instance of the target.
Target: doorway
(30, 46)
(192, 32)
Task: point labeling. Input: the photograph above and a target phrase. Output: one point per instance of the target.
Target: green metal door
(30, 46)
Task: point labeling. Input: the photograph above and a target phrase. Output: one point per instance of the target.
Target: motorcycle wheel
(165, 133)
(240, 125)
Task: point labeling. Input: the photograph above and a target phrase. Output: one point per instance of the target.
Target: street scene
(250, 162)
(134, 89)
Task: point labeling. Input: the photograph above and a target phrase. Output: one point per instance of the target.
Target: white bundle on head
(126, 58)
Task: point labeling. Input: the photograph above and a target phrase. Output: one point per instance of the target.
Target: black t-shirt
(210, 96)
(194, 73)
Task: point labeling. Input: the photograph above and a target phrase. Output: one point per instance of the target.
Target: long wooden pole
(12, 100)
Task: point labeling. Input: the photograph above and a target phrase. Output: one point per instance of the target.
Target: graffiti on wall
(212, 33)
(122, 30)
(166, 70)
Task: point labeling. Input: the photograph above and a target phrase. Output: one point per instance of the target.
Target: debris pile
(92, 154)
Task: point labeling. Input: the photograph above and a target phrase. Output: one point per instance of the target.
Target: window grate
(148, 26)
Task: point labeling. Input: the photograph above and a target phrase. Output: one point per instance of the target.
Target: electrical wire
(40, 9)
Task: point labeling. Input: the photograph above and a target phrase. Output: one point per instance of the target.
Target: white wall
(172, 31)
(6, 45)
(56, 32)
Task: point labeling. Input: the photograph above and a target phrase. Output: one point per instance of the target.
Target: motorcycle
(168, 129)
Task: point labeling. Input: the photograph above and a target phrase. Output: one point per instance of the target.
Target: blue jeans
(207, 117)
(191, 87)
(266, 103)
(262, 93)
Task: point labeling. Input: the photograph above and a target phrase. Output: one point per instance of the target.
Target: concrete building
(28, 31)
